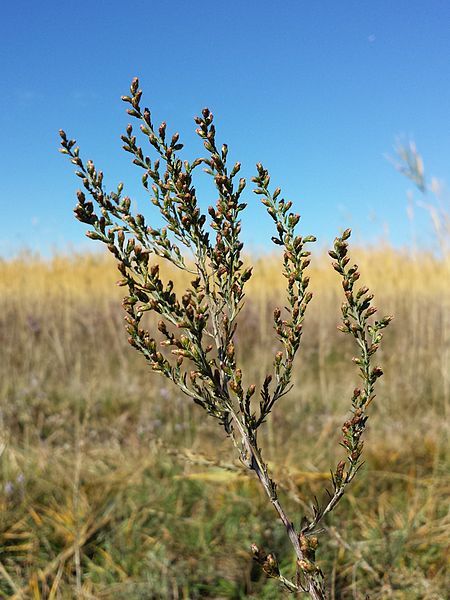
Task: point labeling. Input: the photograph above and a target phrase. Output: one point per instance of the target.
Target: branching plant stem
(196, 346)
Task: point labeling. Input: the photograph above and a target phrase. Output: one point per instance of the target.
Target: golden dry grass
(113, 485)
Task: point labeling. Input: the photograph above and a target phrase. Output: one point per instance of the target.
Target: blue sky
(317, 91)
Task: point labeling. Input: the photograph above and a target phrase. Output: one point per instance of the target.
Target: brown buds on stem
(197, 347)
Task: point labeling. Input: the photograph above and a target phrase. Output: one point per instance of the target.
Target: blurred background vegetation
(114, 485)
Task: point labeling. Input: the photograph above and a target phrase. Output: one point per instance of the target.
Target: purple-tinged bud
(339, 475)
(267, 381)
(377, 372)
(270, 565)
(134, 85)
(162, 130)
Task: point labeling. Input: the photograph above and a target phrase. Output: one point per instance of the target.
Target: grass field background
(114, 485)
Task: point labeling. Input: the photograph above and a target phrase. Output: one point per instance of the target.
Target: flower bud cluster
(172, 191)
(226, 261)
(268, 562)
(295, 262)
(357, 312)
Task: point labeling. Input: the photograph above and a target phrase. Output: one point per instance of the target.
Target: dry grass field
(113, 485)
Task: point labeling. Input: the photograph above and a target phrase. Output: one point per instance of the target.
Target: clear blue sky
(316, 90)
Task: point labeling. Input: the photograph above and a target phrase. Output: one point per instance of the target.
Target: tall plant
(196, 346)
